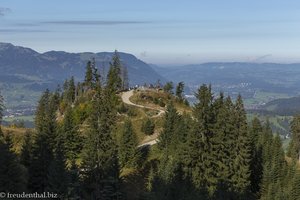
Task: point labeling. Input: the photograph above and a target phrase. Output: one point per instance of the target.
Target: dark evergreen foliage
(128, 151)
(114, 80)
(179, 91)
(13, 177)
(25, 157)
(242, 151)
(88, 75)
(57, 173)
(100, 162)
(168, 87)
(44, 143)
(71, 140)
(148, 127)
(71, 91)
(256, 166)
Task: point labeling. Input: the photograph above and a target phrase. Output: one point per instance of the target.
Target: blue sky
(164, 32)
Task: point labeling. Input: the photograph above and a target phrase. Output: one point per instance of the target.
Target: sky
(163, 32)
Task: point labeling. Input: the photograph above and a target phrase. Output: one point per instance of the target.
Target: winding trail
(126, 99)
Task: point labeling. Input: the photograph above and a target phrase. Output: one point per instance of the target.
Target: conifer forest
(85, 146)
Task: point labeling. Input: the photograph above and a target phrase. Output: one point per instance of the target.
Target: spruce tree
(278, 160)
(114, 80)
(41, 159)
(223, 142)
(168, 144)
(265, 141)
(88, 81)
(256, 166)
(199, 160)
(72, 141)
(171, 120)
(57, 173)
(79, 90)
(65, 90)
(96, 75)
(44, 142)
(128, 152)
(148, 127)
(100, 162)
(274, 169)
(26, 149)
(74, 190)
(242, 160)
(168, 87)
(179, 91)
(170, 181)
(71, 91)
(13, 177)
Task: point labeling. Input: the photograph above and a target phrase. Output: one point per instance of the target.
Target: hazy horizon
(257, 61)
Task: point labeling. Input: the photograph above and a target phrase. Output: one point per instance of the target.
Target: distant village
(12, 113)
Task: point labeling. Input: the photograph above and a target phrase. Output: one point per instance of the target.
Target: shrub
(148, 127)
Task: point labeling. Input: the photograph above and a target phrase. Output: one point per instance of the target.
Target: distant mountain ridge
(271, 77)
(58, 65)
(25, 73)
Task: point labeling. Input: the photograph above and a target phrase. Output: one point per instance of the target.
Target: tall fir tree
(96, 75)
(199, 160)
(128, 152)
(72, 141)
(256, 166)
(171, 120)
(170, 181)
(179, 90)
(168, 87)
(44, 143)
(242, 159)
(13, 177)
(25, 156)
(74, 190)
(168, 142)
(88, 80)
(71, 91)
(266, 141)
(100, 161)
(114, 80)
(57, 173)
(223, 142)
